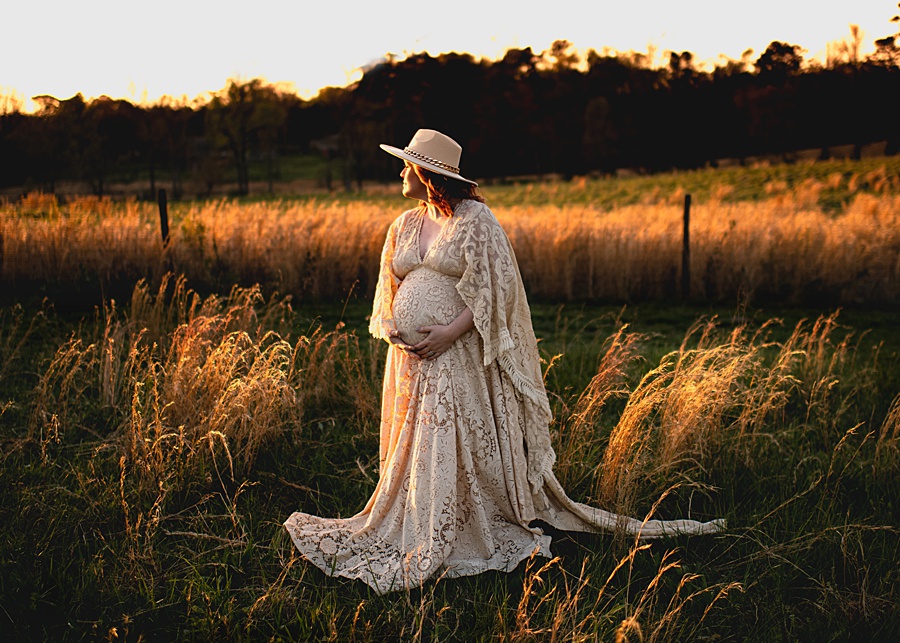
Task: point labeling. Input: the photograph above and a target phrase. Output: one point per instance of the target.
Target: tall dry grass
(160, 420)
(723, 399)
(314, 249)
(887, 454)
(784, 247)
(191, 389)
(781, 248)
(581, 608)
(164, 440)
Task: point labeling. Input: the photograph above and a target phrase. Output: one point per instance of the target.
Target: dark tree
(525, 114)
(109, 140)
(780, 60)
(887, 53)
(246, 116)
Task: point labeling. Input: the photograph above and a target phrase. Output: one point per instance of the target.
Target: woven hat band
(428, 159)
(432, 151)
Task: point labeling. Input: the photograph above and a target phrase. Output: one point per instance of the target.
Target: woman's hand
(395, 339)
(440, 337)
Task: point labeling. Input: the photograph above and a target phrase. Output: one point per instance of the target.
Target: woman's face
(413, 188)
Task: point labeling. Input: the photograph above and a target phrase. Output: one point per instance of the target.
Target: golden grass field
(783, 247)
(161, 445)
(151, 448)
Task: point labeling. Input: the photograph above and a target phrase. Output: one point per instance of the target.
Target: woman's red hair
(444, 192)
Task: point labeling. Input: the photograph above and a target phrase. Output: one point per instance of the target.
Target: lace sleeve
(491, 286)
(382, 320)
(488, 283)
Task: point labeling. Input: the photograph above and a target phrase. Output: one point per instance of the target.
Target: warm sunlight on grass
(152, 452)
(781, 248)
(153, 445)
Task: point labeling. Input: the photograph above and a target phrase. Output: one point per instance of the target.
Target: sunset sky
(191, 47)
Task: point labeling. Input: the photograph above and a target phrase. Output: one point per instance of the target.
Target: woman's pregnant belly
(425, 297)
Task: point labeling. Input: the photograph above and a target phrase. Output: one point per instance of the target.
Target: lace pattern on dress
(465, 452)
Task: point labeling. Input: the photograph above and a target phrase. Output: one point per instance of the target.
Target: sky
(188, 48)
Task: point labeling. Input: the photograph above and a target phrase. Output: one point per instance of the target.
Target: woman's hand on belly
(395, 339)
(440, 337)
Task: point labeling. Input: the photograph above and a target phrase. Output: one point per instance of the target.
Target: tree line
(526, 113)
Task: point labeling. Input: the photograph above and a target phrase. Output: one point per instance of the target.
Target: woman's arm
(381, 322)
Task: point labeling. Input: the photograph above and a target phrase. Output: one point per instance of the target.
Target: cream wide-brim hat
(433, 151)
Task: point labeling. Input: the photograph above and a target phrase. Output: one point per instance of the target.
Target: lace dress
(465, 454)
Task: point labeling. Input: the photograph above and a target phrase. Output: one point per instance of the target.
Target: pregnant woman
(466, 459)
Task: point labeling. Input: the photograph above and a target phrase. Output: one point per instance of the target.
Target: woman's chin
(411, 194)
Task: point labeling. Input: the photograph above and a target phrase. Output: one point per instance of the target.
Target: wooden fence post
(163, 217)
(164, 229)
(686, 251)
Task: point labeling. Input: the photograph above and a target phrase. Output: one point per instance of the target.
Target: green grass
(93, 548)
(730, 184)
(292, 168)
(99, 540)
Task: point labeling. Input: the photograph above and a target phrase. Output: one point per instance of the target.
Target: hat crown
(433, 151)
(436, 146)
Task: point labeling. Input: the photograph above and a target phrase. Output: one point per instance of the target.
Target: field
(829, 237)
(153, 444)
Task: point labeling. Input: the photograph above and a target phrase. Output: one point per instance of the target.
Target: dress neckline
(422, 216)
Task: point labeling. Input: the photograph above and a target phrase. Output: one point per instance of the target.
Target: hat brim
(400, 154)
